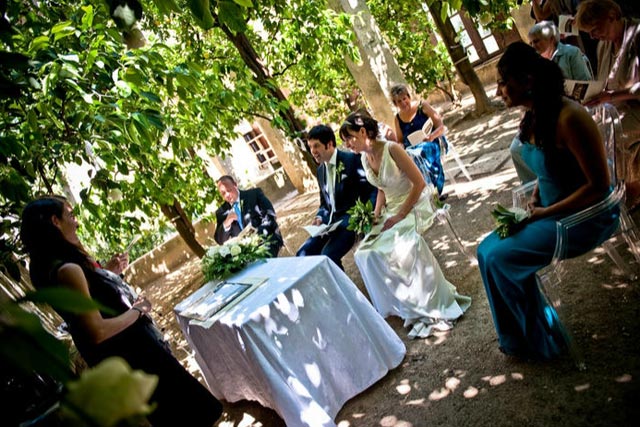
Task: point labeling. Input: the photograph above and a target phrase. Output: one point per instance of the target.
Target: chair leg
(609, 247)
(450, 176)
(460, 163)
(630, 233)
(548, 286)
(445, 219)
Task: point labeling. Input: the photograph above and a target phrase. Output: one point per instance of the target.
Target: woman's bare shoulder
(573, 113)
(71, 275)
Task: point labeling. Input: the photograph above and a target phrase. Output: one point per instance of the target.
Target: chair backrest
(607, 118)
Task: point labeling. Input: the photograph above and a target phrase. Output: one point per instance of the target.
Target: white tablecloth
(303, 343)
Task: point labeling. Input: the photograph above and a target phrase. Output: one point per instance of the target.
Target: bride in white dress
(401, 274)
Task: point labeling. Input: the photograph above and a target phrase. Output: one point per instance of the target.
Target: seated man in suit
(244, 208)
(342, 181)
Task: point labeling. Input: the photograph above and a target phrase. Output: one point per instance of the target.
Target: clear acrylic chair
(447, 149)
(444, 218)
(441, 209)
(550, 277)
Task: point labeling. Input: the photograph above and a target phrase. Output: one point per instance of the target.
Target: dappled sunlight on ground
(460, 374)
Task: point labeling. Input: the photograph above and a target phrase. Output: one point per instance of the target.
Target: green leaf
(62, 30)
(151, 96)
(166, 6)
(232, 15)
(201, 11)
(66, 300)
(244, 3)
(38, 43)
(87, 18)
(27, 346)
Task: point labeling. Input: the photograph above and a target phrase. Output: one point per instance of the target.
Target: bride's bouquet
(508, 221)
(221, 261)
(361, 217)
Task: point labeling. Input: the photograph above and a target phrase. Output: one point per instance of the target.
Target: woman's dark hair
(44, 242)
(521, 64)
(356, 121)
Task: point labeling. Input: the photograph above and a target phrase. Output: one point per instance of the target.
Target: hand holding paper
(421, 135)
(317, 230)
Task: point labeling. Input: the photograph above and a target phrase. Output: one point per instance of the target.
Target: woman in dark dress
(57, 258)
(411, 117)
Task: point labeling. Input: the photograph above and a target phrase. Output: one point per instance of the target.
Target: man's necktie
(236, 209)
(331, 177)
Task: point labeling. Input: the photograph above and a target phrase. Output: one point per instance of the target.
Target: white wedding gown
(400, 272)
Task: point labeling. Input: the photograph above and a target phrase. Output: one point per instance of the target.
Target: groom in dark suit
(243, 208)
(342, 181)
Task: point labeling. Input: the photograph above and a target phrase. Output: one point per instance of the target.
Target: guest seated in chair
(619, 67)
(122, 328)
(342, 182)
(411, 117)
(401, 274)
(545, 39)
(564, 148)
(246, 208)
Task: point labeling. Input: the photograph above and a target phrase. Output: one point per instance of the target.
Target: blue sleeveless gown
(526, 325)
(426, 154)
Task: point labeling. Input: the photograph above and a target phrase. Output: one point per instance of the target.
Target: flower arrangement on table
(508, 221)
(361, 217)
(221, 261)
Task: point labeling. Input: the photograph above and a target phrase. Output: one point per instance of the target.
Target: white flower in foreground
(235, 250)
(111, 392)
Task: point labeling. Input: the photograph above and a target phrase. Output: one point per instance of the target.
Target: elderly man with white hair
(545, 39)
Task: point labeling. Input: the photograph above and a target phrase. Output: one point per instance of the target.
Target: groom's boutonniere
(339, 170)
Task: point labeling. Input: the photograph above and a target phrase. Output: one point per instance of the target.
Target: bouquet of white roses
(221, 261)
(361, 217)
(508, 221)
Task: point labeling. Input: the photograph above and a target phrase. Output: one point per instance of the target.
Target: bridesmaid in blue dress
(565, 150)
(411, 117)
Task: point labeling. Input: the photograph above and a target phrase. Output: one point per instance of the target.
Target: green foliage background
(73, 93)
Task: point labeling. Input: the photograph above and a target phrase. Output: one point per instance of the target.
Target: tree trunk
(183, 225)
(378, 70)
(264, 79)
(460, 59)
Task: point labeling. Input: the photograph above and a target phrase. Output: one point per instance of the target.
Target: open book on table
(219, 297)
(317, 230)
(583, 90)
(421, 135)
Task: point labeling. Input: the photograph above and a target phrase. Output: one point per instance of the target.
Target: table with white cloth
(303, 342)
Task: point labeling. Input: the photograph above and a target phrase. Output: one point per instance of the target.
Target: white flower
(520, 213)
(218, 264)
(111, 392)
(224, 250)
